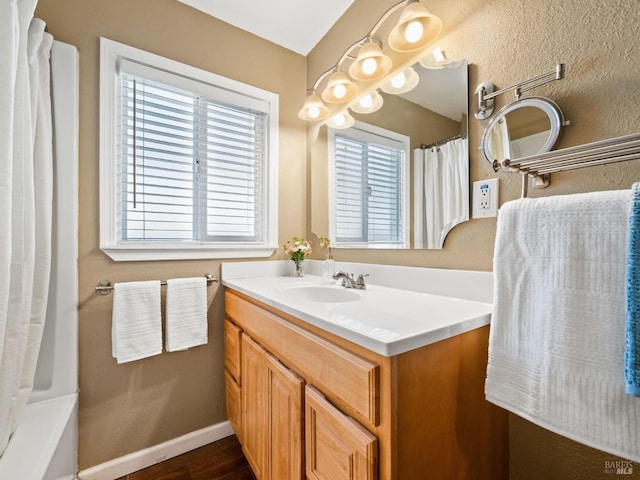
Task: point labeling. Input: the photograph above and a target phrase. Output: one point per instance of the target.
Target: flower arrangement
(297, 248)
(325, 243)
(328, 266)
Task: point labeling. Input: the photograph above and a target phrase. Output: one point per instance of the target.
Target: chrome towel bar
(105, 287)
(538, 167)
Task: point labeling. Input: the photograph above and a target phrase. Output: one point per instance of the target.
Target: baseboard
(119, 467)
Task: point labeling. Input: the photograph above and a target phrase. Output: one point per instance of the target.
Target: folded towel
(632, 353)
(136, 325)
(556, 347)
(186, 323)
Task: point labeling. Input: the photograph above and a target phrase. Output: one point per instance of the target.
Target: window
(369, 187)
(188, 161)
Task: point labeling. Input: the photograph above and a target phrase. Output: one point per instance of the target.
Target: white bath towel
(136, 322)
(186, 322)
(556, 351)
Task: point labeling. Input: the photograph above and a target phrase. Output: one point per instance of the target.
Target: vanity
(384, 383)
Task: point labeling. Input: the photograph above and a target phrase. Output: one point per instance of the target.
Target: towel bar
(105, 287)
(612, 150)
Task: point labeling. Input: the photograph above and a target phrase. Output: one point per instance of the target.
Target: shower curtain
(442, 190)
(26, 173)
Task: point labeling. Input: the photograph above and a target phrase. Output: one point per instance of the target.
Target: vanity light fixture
(313, 108)
(374, 65)
(339, 88)
(435, 59)
(401, 82)
(340, 121)
(371, 63)
(370, 103)
(416, 29)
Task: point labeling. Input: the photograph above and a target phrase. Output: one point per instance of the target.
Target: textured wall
(507, 41)
(125, 408)
(129, 407)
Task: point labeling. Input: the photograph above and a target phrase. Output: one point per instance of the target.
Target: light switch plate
(485, 198)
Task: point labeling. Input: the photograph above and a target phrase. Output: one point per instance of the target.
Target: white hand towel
(186, 323)
(556, 348)
(136, 322)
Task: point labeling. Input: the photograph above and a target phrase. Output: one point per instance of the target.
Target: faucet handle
(360, 283)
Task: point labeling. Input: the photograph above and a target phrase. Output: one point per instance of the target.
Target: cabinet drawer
(336, 446)
(232, 335)
(233, 402)
(345, 378)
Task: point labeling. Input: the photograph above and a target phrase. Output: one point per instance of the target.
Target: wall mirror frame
(526, 127)
(430, 121)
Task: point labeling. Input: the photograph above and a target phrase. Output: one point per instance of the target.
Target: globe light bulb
(339, 91)
(399, 80)
(369, 66)
(414, 31)
(339, 120)
(314, 112)
(366, 101)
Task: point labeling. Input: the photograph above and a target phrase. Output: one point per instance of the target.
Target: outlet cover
(485, 198)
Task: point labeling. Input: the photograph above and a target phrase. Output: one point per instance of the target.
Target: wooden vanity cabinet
(271, 414)
(363, 416)
(337, 447)
(232, 353)
(233, 403)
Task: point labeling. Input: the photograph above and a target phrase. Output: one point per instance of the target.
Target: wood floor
(221, 460)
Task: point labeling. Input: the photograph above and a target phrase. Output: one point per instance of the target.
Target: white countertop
(386, 320)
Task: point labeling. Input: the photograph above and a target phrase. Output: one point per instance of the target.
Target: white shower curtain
(432, 194)
(444, 191)
(26, 197)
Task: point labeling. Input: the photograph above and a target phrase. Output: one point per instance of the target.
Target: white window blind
(369, 190)
(188, 161)
(192, 167)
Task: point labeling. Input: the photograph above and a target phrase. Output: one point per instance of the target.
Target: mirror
(436, 110)
(525, 127)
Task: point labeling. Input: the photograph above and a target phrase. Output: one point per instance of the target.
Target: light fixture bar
(372, 62)
(359, 42)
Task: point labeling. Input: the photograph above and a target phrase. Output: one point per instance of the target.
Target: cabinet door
(271, 415)
(255, 411)
(337, 447)
(285, 419)
(232, 336)
(234, 403)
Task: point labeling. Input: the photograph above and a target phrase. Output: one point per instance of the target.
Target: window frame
(111, 53)
(367, 132)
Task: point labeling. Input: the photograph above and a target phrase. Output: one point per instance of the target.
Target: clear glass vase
(298, 270)
(328, 269)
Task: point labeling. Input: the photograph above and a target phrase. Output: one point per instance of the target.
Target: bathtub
(44, 446)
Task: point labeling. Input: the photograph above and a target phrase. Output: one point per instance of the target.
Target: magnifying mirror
(525, 127)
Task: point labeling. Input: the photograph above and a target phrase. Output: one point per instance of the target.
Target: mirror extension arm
(486, 94)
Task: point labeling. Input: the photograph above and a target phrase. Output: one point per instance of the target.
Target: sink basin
(319, 293)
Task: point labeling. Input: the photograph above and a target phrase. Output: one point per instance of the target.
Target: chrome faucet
(349, 282)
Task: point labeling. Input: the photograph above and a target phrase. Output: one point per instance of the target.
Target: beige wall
(421, 125)
(125, 408)
(507, 41)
